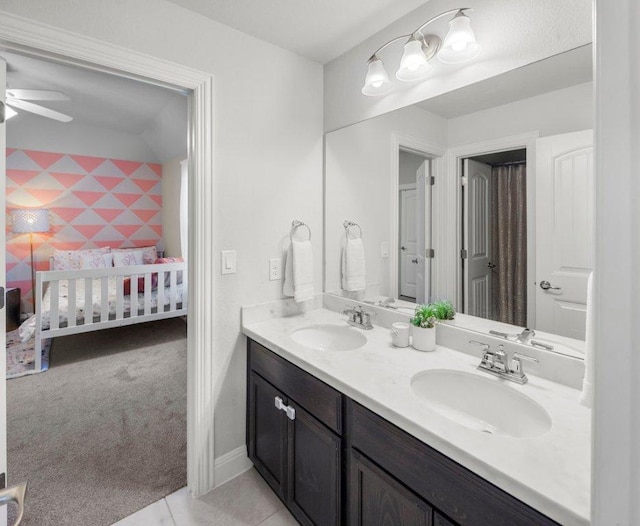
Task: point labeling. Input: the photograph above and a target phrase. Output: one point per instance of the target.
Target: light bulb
(377, 80)
(460, 43)
(414, 64)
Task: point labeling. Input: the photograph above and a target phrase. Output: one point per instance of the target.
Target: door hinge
(463, 253)
(429, 253)
(432, 180)
(463, 180)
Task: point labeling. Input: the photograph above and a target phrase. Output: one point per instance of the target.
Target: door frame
(453, 214)
(435, 153)
(32, 38)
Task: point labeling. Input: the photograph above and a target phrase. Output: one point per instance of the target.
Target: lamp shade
(414, 64)
(377, 79)
(460, 43)
(29, 220)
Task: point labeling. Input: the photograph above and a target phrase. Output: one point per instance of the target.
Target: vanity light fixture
(459, 46)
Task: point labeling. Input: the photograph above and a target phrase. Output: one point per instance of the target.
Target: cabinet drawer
(465, 497)
(324, 402)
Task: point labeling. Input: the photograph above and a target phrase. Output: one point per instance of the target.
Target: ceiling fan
(19, 99)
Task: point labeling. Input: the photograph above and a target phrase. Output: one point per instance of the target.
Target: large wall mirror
(483, 196)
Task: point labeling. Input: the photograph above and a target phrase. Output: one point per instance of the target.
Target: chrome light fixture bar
(459, 46)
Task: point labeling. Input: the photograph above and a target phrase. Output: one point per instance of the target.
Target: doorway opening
(494, 255)
(414, 226)
(109, 180)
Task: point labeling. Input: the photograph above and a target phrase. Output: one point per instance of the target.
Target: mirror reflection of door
(414, 230)
(495, 237)
(564, 231)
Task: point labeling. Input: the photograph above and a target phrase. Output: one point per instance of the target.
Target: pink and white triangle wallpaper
(92, 201)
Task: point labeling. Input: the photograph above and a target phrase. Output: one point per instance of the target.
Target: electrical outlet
(275, 269)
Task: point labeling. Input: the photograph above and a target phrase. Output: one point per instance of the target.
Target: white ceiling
(97, 99)
(317, 29)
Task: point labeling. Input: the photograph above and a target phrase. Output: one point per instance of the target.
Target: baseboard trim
(232, 464)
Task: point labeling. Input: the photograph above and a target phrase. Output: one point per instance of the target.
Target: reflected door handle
(545, 285)
(403, 248)
(491, 265)
(414, 261)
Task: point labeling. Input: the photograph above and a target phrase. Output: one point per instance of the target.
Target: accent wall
(92, 202)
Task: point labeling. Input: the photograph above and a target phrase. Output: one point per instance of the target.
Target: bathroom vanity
(342, 437)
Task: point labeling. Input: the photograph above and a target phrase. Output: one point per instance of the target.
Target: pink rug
(21, 356)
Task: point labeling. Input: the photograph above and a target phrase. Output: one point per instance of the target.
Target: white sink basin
(329, 337)
(483, 404)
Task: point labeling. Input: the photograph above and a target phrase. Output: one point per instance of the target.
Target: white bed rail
(96, 310)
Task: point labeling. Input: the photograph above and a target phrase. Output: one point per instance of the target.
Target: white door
(423, 231)
(408, 242)
(477, 271)
(3, 284)
(564, 231)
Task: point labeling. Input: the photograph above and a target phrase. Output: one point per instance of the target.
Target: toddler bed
(91, 299)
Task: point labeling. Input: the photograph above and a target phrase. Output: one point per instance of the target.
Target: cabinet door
(267, 432)
(314, 471)
(376, 499)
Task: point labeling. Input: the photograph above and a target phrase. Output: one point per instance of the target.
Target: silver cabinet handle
(291, 412)
(491, 265)
(281, 406)
(414, 261)
(545, 285)
(403, 248)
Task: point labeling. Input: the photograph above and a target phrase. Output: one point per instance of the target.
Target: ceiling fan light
(414, 64)
(377, 80)
(460, 43)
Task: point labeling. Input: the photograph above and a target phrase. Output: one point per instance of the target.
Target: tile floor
(246, 500)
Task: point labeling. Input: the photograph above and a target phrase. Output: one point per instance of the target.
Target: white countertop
(550, 473)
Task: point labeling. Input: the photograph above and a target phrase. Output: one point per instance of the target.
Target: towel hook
(348, 224)
(295, 224)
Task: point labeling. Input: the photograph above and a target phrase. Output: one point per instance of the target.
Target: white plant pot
(424, 339)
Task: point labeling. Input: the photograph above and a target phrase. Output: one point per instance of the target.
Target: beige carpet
(103, 432)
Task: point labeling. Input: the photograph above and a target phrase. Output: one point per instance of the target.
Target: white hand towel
(587, 384)
(298, 272)
(353, 267)
(287, 286)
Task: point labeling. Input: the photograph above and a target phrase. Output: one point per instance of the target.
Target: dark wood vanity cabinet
(336, 462)
(299, 453)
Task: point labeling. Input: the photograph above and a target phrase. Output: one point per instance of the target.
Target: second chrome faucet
(498, 363)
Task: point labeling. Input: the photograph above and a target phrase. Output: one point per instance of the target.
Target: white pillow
(150, 253)
(128, 258)
(96, 260)
(71, 259)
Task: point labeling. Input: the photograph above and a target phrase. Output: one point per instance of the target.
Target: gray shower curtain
(509, 243)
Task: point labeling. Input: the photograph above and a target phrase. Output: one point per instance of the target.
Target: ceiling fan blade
(39, 110)
(35, 94)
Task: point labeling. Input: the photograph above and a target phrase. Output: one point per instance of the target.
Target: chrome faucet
(358, 317)
(525, 335)
(497, 363)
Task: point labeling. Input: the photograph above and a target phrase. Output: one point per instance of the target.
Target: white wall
(512, 34)
(35, 133)
(267, 152)
(166, 135)
(358, 186)
(171, 181)
(561, 111)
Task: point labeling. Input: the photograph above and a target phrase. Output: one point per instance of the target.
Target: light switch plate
(384, 249)
(275, 269)
(228, 262)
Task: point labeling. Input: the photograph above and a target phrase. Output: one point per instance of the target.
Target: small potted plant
(424, 323)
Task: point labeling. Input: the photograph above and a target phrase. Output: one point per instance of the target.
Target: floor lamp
(30, 221)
